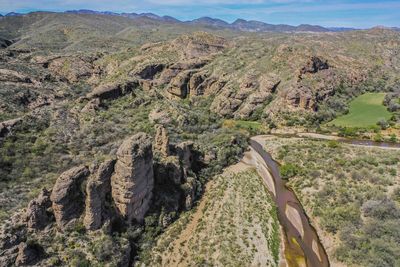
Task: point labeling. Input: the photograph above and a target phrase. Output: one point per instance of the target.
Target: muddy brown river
(302, 244)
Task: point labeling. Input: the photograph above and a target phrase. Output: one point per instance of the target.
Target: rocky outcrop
(199, 45)
(71, 69)
(113, 90)
(173, 70)
(314, 65)
(133, 179)
(161, 140)
(178, 87)
(28, 254)
(8, 256)
(7, 75)
(184, 151)
(92, 106)
(301, 97)
(261, 94)
(4, 43)
(37, 215)
(67, 197)
(149, 72)
(158, 115)
(97, 188)
(7, 126)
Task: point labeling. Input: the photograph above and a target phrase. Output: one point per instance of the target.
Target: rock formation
(6, 126)
(97, 187)
(112, 90)
(161, 142)
(314, 65)
(13, 76)
(36, 214)
(184, 151)
(132, 182)
(28, 254)
(67, 197)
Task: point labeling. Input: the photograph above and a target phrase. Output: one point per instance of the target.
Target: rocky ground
(125, 117)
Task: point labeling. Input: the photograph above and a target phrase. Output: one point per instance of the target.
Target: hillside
(232, 225)
(111, 126)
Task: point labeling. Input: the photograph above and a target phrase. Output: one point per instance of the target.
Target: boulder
(67, 196)
(97, 188)
(133, 179)
(36, 214)
(161, 140)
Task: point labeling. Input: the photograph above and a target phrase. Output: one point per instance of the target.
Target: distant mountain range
(239, 24)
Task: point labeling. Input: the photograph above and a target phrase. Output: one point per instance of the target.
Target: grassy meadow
(365, 111)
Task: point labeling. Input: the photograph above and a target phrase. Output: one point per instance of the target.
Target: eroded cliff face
(67, 197)
(98, 187)
(133, 180)
(116, 192)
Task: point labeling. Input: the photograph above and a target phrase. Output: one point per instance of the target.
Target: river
(302, 244)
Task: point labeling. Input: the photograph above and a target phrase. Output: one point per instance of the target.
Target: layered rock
(36, 214)
(97, 187)
(113, 90)
(67, 197)
(161, 141)
(133, 179)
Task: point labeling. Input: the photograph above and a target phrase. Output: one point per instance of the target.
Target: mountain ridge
(239, 24)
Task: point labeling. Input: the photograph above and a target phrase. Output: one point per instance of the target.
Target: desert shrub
(289, 170)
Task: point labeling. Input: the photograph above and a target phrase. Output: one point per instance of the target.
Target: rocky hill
(111, 126)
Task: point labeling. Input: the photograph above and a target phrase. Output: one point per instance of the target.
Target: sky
(329, 13)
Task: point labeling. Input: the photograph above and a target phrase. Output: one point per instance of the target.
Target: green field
(365, 111)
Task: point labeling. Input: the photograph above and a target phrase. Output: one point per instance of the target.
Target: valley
(134, 140)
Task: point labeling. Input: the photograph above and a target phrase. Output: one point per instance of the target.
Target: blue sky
(352, 13)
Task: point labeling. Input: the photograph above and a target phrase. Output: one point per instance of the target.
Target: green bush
(289, 170)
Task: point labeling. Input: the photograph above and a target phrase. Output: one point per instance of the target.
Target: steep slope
(232, 225)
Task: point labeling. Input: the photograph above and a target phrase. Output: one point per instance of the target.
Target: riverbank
(303, 247)
(350, 193)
